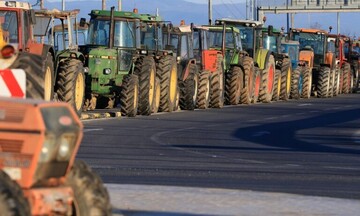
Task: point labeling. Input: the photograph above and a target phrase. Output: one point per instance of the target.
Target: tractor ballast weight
(39, 142)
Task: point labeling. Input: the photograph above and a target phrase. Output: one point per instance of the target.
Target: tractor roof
(57, 14)
(118, 14)
(15, 4)
(150, 18)
(252, 23)
(312, 31)
(220, 28)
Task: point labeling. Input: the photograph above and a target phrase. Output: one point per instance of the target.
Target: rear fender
(209, 60)
(261, 58)
(187, 69)
(307, 56)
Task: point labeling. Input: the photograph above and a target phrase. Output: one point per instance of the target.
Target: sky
(196, 11)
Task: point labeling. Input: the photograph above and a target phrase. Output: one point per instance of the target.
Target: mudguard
(261, 57)
(307, 56)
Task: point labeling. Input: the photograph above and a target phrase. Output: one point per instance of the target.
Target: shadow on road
(283, 134)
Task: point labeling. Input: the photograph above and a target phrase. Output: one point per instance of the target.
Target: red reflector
(8, 51)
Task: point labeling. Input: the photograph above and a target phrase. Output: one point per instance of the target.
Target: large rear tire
(166, 69)
(247, 90)
(91, 198)
(156, 102)
(323, 82)
(277, 85)
(336, 86)
(233, 85)
(145, 69)
(306, 82)
(268, 76)
(297, 83)
(189, 89)
(203, 97)
(70, 86)
(256, 85)
(346, 71)
(35, 78)
(217, 84)
(129, 95)
(285, 79)
(12, 199)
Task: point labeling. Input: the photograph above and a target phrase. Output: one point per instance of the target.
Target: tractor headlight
(48, 148)
(144, 52)
(107, 71)
(67, 142)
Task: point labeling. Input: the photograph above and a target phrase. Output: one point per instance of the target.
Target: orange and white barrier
(13, 83)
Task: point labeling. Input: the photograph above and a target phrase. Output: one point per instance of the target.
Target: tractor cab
(315, 41)
(151, 33)
(16, 20)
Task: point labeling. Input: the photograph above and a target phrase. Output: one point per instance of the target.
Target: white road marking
(305, 104)
(94, 129)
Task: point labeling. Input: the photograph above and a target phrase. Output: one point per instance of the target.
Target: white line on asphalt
(94, 129)
(271, 118)
(315, 111)
(260, 133)
(305, 104)
(301, 113)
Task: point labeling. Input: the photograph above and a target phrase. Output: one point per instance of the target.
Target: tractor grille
(12, 114)
(13, 146)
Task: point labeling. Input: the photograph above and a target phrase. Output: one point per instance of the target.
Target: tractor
(38, 171)
(241, 79)
(179, 39)
(210, 65)
(271, 40)
(119, 71)
(352, 52)
(315, 52)
(166, 67)
(251, 33)
(62, 78)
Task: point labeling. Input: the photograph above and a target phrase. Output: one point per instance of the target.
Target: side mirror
(82, 22)
(32, 17)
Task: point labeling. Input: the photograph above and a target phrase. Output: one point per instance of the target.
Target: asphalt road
(306, 147)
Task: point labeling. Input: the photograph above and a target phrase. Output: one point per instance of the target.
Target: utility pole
(63, 5)
(210, 12)
(41, 4)
(103, 7)
(119, 5)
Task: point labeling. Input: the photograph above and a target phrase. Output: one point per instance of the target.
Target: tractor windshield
(231, 40)
(311, 41)
(247, 37)
(150, 35)
(270, 43)
(124, 33)
(9, 24)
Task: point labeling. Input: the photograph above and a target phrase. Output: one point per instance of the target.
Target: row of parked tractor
(141, 64)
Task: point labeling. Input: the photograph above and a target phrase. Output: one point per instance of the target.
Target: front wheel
(129, 95)
(268, 76)
(12, 200)
(91, 198)
(203, 97)
(189, 89)
(70, 85)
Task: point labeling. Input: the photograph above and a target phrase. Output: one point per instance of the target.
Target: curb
(85, 116)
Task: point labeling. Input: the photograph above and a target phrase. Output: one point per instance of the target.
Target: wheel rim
(257, 86)
(79, 88)
(288, 81)
(207, 95)
(151, 85)
(136, 97)
(173, 83)
(278, 86)
(300, 84)
(48, 84)
(270, 78)
(196, 80)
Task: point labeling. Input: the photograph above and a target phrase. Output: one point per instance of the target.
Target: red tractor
(210, 64)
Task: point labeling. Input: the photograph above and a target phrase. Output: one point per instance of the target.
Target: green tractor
(64, 78)
(166, 67)
(271, 40)
(241, 78)
(179, 39)
(119, 71)
(264, 60)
